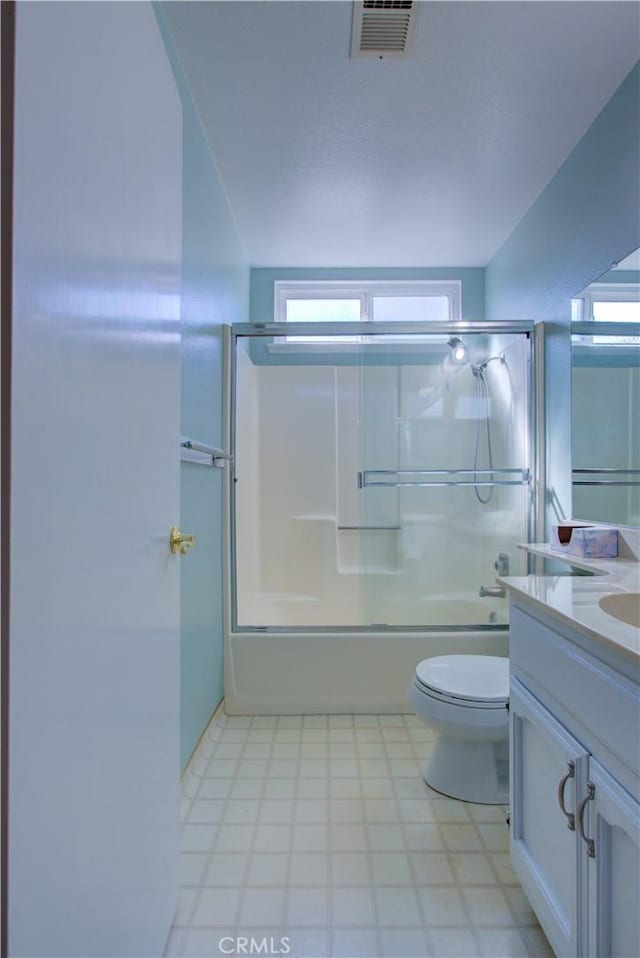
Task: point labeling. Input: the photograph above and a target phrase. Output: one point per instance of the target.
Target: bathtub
(366, 671)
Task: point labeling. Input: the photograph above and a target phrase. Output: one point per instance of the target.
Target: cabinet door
(544, 851)
(612, 820)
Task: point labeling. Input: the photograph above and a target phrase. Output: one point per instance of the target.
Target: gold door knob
(180, 543)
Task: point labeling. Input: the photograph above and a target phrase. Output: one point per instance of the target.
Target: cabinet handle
(571, 820)
(591, 846)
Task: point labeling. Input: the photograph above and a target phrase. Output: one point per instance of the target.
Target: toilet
(465, 700)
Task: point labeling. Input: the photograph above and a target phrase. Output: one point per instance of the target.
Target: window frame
(365, 292)
(605, 293)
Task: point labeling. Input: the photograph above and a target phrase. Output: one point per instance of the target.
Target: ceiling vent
(383, 28)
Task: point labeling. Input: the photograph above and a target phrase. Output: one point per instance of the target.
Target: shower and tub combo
(381, 473)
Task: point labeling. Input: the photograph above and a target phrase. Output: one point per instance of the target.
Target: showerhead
(459, 350)
(480, 368)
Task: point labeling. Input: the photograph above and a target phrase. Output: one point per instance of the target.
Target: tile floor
(320, 829)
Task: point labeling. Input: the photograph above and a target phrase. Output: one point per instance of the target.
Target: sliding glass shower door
(380, 478)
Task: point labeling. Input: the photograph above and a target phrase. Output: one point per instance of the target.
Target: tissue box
(594, 542)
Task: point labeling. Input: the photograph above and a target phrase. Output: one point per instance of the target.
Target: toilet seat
(460, 703)
(474, 681)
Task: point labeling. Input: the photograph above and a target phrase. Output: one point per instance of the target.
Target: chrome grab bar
(218, 456)
(365, 479)
(606, 471)
(571, 819)
(604, 482)
(368, 528)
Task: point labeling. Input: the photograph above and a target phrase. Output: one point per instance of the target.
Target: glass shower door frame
(534, 428)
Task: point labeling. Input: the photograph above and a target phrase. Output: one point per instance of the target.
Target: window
(329, 302)
(609, 303)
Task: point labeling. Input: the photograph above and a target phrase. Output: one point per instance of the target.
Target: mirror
(605, 396)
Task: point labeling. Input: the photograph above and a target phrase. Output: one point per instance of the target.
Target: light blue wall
(215, 290)
(620, 276)
(587, 217)
(262, 280)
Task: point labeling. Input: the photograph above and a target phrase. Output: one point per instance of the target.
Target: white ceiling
(431, 161)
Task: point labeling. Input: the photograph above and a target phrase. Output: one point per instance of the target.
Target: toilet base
(470, 771)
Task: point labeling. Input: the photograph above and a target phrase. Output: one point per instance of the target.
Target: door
(444, 477)
(93, 767)
(544, 851)
(393, 480)
(613, 822)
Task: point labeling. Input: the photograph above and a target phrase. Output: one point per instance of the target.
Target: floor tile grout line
(251, 850)
(287, 893)
(333, 889)
(374, 895)
(487, 852)
(212, 851)
(394, 751)
(199, 888)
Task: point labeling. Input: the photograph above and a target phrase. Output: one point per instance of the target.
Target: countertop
(574, 599)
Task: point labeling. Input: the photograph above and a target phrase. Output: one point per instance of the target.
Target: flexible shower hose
(482, 392)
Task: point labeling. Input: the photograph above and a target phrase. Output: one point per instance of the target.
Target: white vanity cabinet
(574, 790)
(613, 873)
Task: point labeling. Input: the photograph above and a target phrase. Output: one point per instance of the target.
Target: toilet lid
(479, 678)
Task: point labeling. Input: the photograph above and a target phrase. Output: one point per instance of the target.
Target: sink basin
(623, 606)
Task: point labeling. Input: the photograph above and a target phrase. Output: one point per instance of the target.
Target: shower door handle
(438, 478)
